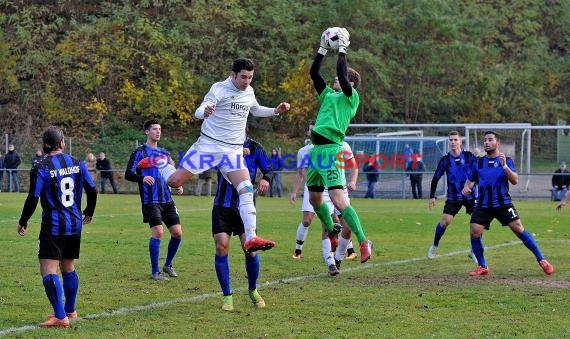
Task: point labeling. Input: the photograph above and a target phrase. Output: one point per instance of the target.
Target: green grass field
(398, 294)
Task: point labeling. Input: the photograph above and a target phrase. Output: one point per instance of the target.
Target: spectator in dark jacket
(104, 167)
(416, 175)
(560, 182)
(12, 161)
(372, 176)
(37, 157)
(276, 166)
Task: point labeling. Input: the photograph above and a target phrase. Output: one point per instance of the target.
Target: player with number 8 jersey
(59, 180)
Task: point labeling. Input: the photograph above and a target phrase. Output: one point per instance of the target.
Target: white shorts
(307, 207)
(205, 154)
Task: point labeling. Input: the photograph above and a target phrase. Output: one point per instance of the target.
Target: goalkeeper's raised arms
(323, 49)
(343, 40)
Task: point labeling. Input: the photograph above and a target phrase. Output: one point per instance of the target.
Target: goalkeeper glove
(324, 48)
(343, 40)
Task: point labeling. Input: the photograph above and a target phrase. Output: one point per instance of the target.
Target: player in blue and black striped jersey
(157, 204)
(455, 165)
(58, 181)
(226, 221)
(493, 173)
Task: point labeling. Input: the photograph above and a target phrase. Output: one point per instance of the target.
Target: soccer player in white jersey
(329, 244)
(225, 109)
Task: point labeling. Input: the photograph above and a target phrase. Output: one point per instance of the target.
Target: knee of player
(245, 187)
(307, 220)
(476, 230)
(157, 232)
(222, 248)
(315, 200)
(176, 232)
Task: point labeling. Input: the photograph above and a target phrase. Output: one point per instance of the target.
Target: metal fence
(393, 185)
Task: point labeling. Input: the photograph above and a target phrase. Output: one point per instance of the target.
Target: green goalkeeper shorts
(325, 169)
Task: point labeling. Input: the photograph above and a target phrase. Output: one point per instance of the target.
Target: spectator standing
(1, 170)
(12, 161)
(416, 175)
(477, 152)
(560, 182)
(37, 157)
(372, 176)
(204, 178)
(103, 165)
(408, 151)
(91, 164)
(277, 166)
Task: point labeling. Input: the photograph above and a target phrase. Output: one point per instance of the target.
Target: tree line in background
(100, 68)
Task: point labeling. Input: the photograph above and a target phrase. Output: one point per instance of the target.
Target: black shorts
(505, 215)
(58, 247)
(452, 207)
(155, 214)
(227, 220)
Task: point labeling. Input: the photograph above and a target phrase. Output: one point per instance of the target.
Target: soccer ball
(330, 36)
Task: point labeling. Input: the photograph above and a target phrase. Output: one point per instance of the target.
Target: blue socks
(154, 250)
(70, 287)
(54, 293)
(223, 273)
(477, 247)
(173, 245)
(528, 240)
(439, 231)
(252, 269)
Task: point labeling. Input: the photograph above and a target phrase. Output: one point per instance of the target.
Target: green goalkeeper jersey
(335, 114)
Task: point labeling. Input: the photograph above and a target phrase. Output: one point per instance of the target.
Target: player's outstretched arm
(318, 81)
(342, 63)
(299, 181)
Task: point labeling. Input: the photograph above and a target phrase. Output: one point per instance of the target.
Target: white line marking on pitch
(127, 310)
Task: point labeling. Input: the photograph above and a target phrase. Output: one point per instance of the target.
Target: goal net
(431, 141)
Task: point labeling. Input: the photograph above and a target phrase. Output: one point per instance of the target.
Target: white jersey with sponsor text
(227, 124)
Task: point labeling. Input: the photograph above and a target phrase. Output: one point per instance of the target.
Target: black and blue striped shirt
(457, 171)
(157, 193)
(58, 181)
(493, 183)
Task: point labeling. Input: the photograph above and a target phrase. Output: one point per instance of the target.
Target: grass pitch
(399, 293)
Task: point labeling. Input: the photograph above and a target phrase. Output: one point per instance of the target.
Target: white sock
(349, 245)
(327, 254)
(248, 214)
(302, 233)
(341, 248)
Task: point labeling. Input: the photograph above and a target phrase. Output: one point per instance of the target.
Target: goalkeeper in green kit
(338, 107)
